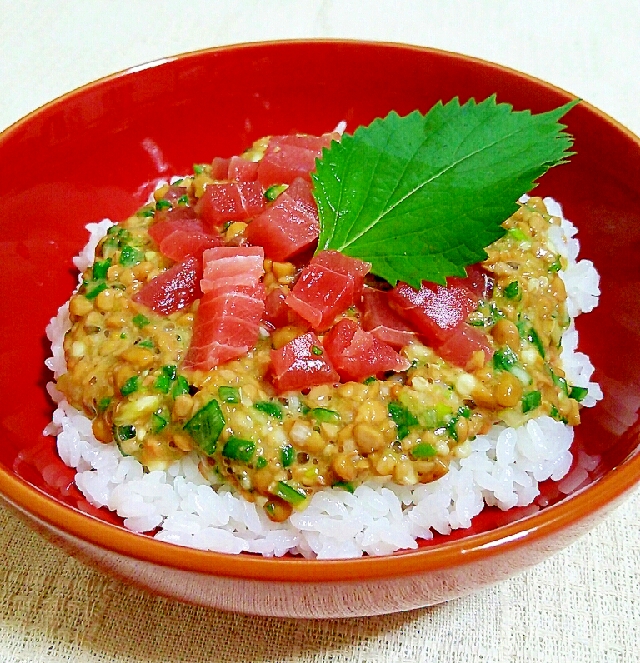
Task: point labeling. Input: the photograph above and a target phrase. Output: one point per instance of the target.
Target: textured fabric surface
(582, 605)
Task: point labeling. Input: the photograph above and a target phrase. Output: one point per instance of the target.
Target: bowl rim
(603, 494)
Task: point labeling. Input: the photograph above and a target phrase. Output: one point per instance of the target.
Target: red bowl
(92, 154)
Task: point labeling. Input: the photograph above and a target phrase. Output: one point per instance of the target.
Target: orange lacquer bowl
(87, 156)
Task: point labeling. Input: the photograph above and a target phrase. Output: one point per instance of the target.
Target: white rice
(503, 469)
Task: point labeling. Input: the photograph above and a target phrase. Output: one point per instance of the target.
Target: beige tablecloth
(581, 605)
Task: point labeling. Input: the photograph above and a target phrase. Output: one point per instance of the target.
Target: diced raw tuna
(459, 348)
(230, 201)
(326, 287)
(288, 157)
(434, 311)
(302, 191)
(228, 268)
(226, 327)
(288, 226)
(276, 312)
(300, 364)
(178, 218)
(357, 354)
(182, 243)
(355, 268)
(174, 289)
(227, 321)
(242, 170)
(173, 193)
(181, 235)
(220, 168)
(315, 143)
(382, 321)
(478, 281)
(237, 169)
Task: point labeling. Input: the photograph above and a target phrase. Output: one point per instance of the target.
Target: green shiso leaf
(421, 196)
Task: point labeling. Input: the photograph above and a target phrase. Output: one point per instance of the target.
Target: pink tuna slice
(355, 268)
(220, 168)
(226, 327)
(326, 287)
(227, 321)
(461, 345)
(242, 170)
(182, 243)
(174, 289)
(382, 321)
(288, 157)
(180, 234)
(478, 281)
(357, 354)
(179, 218)
(276, 311)
(228, 268)
(301, 364)
(174, 192)
(439, 315)
(434, 311)
(288, 226)
(237, 169)
(230, 201)
(314, 143)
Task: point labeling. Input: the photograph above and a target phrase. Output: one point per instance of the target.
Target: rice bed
(504, 468)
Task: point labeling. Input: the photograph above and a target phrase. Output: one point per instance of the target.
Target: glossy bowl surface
(96, 153)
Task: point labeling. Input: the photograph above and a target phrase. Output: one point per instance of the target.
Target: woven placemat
(581, 605)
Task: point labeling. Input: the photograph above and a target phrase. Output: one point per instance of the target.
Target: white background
(590, 48)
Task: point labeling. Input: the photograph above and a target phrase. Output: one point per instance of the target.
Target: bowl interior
(97, 152)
